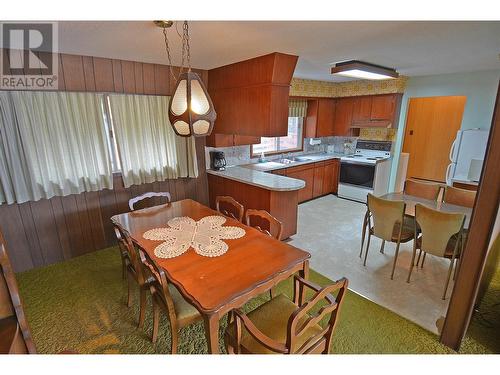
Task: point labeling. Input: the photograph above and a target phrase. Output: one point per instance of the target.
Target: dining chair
(427, 190)
(459, 197)
(441, 235)
(133, 271)
(15, 334)
(229, 207)
(386, 220)
(264, 222)
(289, 327)
(166, 297)
(150, 197)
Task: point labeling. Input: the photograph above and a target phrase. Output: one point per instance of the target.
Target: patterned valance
(297, 108)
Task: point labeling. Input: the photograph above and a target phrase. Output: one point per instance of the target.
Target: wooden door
(305, 173)
(319, 176)
(331, 177)
(343, 116)
(431, 126)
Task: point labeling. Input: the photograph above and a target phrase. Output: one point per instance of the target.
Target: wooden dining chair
(229, 207)
(133, 271)
(166, 297)
(264, 222)
(286, 327)
(149, 199)
(459, 197)
(15, 334)
(385, 219)
(441, 235)
(427, 190)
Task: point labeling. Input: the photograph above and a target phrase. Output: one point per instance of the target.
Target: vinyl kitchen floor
(330, 229)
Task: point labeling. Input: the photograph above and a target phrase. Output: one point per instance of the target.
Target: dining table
(412, 200)
(252, 264)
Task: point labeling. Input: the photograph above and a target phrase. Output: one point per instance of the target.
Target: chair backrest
(460, 197)
(321, 305)
(264, 222)
(153, 198)
(230, 207)
(11, 304)
(437, 228)
(427, 190)
(159, 282)
(126, 245)
(385, 214)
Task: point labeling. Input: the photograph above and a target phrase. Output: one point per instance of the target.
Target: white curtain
(148, 147)
(52, 143)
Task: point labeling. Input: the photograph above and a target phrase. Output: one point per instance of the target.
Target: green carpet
(80, 305)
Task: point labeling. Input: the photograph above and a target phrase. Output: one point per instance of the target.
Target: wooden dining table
(412, 200)
(252, 265)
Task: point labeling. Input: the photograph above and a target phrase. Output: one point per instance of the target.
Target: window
(275, 145)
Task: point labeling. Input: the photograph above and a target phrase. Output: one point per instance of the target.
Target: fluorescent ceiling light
(362, 70)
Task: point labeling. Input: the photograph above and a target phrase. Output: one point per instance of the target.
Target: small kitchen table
(412, 200)
(252, 265)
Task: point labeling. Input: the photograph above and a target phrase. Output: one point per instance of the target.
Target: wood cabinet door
(326, 115)
(343, 116)
(306, 175)
(362, 108)
(219, 140)
(240, 140)
(383, 107)
(331, 177)
(319, 178)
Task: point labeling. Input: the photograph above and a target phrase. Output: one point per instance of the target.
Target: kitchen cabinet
(321, 178)
(251, 96)
(362, 108)
(229, 140)
(383, 107)
(320, 117)
(343, 116)
(306, 174)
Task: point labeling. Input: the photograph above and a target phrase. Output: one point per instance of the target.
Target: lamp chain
(167, 47)
(186, 51)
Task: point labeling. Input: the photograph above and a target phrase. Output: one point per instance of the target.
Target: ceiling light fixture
(190, 110)
(363, 70)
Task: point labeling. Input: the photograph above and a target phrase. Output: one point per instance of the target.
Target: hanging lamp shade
(191, 111)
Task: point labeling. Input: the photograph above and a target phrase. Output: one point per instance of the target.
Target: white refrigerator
(467, 155)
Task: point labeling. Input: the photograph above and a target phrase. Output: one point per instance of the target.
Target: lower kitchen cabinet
(321, 178)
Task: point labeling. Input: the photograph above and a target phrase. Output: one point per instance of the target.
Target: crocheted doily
(204, 236)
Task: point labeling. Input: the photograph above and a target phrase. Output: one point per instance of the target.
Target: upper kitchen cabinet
(362, 109)
(383, 107)
(251, 96)
(229, 140)
(320, 116)
(344, 109)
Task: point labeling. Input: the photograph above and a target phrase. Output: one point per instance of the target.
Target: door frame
(482, 221)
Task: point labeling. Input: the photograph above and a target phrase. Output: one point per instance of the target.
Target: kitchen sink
(302, 158)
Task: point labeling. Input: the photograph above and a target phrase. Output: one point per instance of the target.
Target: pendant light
(190, 111)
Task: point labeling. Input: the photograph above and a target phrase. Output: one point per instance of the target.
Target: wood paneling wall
(52, 230)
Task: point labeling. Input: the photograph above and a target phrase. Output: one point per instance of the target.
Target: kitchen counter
(273, 166)
(260, 179)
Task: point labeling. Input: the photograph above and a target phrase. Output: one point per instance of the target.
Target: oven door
(357, 174)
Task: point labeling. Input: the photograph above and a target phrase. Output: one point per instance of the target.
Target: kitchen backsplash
(377, 134)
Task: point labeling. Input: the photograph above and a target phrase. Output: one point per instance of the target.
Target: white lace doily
(204, 236)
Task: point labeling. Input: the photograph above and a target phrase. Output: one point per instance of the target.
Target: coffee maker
(217, 161)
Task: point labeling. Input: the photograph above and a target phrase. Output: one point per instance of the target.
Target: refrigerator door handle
(452, 150)
(447, 174)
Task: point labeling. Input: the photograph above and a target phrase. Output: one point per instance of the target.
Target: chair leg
(457, 264)
(382, 246)
(129, 291)
(142, 307)
(448, 278)
(124, 267)
(423, 260)
(395, 260)
(175, 338)
(367, 247)
(419, 255)
(412, 264)
(271, 293)
(363, 234)
(156, 322)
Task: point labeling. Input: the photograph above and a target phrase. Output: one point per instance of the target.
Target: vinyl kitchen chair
(459, 197)
(133, 271)
(427, 190)
(145, 198)
(286, 327)
(385, 219)
(441, 236)
(230, 207)
(166, 297)
(261, 220)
